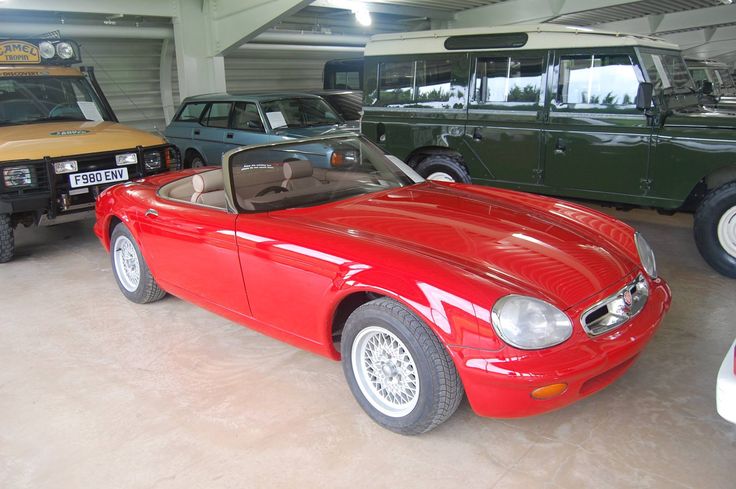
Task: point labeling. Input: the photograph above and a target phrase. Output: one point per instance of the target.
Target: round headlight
(646, 255)
(530, 324)
(46, 49)
(65, 50)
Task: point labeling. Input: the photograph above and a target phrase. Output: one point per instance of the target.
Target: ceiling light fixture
(358, 8)
(362, 15)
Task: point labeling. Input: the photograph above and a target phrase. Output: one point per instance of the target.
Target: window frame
(543, 55)
(554, 76)
(458, 79)
(177, 117)
(231, 123)
(206, 113)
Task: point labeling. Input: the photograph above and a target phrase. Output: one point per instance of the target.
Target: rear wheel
(715, 229)
(131, 272)
(195, 160)
(397, 369)
(442, 168)
(7, 239)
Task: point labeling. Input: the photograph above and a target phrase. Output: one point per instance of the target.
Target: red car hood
(528, 251)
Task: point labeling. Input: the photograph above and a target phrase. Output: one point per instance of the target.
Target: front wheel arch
(419, 154)
(716, 239)
(408, 385)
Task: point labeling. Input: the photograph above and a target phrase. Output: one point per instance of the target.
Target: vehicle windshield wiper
(57, 118)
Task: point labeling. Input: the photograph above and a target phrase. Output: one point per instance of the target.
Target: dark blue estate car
(206, 126)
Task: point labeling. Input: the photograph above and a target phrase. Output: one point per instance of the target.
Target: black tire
(195, 160)
(7, 239)
(716, 203)
(146, 290)
(439, 389)
(444, 164)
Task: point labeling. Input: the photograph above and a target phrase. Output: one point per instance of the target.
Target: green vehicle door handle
(560, 147)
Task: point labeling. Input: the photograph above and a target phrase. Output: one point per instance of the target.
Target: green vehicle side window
(594, 82)
(418, 84)
(508, 81)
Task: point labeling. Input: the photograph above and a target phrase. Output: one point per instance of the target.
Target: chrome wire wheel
(385, 371)
(440, 176)
(127, 266)
(727, 231)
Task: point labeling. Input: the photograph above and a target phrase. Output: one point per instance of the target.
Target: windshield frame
(83, 84)
(403, 174)
(661, 90)
(300, 100)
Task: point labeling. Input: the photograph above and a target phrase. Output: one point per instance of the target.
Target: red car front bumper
(499, 384)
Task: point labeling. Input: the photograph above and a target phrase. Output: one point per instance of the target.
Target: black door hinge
(537, 174)
(645, 184)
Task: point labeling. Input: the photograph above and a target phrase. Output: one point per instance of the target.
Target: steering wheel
(273, 188)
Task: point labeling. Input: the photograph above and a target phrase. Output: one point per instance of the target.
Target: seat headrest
(297, 169)
(208, 181)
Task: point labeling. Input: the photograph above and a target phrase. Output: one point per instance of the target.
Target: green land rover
(561, 111)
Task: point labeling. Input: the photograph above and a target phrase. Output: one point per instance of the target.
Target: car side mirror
(707, 87)
(644, 96)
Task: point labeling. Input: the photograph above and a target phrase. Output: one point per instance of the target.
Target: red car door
(287, 279)
(192, 252)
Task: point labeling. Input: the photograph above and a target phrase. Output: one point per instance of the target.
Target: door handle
(477, 135)
(196, 132)
(151, 212)
(560, 147)
(229, 135)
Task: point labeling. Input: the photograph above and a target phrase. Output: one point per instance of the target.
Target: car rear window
(191, 112)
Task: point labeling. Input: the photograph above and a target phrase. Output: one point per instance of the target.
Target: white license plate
(98, 177)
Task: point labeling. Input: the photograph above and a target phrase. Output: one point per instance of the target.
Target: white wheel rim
(727, 231)
(197, 162)
(440, 176)
(127, 266)
(385, 371)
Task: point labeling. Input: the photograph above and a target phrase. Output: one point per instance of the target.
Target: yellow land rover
(60, 142)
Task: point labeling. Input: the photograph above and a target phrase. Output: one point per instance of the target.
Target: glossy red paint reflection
(446, 251)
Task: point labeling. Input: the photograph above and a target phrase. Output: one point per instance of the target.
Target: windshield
(27, 100)
(299, 112)
(311, 172)
(667, 72)
(724, 78)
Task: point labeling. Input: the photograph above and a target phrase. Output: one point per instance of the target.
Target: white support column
(205, 30)
(197, 69)
(164, 76)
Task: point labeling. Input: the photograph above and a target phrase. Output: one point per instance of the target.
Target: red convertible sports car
(425, 290)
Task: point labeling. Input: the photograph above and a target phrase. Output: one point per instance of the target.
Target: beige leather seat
(209, 189)
(299, 174)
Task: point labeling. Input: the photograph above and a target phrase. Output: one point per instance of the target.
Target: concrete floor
(97, 392)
